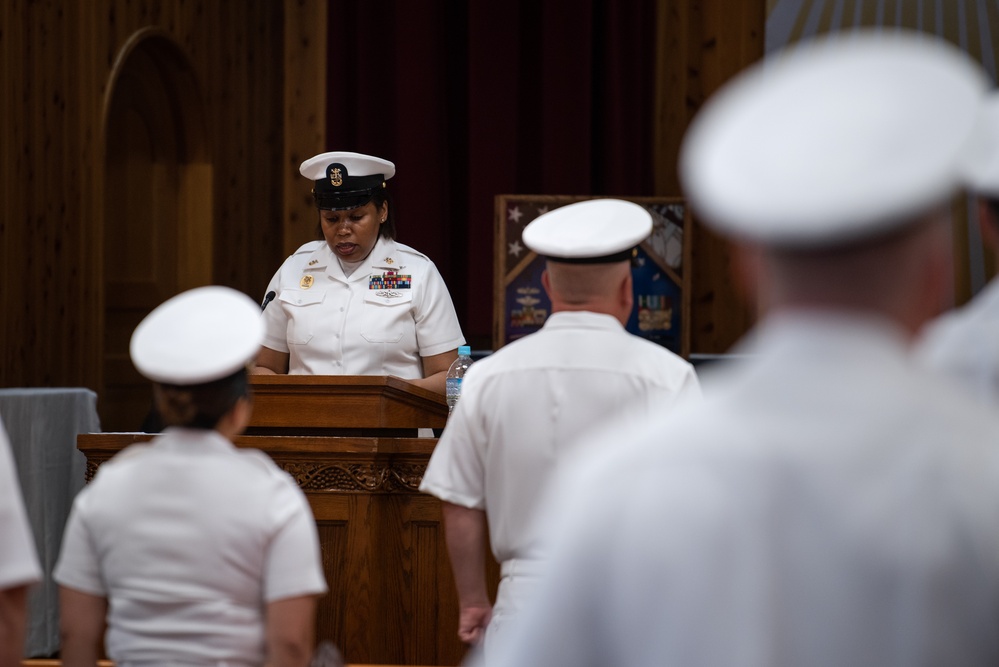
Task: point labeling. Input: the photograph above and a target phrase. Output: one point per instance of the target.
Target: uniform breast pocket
(303, 308)
(386, 313)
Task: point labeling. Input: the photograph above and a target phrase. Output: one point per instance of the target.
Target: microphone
(267, 299)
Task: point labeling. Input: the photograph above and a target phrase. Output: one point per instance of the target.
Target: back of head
(195, 347)
(589, 245)
(834, 149)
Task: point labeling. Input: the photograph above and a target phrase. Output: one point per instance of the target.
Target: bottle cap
(464, 351)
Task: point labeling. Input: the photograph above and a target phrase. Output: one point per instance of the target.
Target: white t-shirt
(391, 311)
(18, 558)
(189, 538)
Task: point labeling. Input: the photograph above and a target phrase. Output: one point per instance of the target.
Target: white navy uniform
(18, 559)
(393, 309)
(189, 538)
(964, 344)
(525, 411)
(827, 504)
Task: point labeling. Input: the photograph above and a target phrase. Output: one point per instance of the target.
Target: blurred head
(831, 166)
(589, 245)
(195, 347)
(904, 274)
(348, 182)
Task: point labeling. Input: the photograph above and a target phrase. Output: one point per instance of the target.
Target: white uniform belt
(521, 567)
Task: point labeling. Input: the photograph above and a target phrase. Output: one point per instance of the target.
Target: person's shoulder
(963, 334)
(263, 465)
(298, 258)
(126, 457)
(410, 252)
(657, 353)
(308, 248)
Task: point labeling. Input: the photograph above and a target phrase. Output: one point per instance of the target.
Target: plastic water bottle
(452, 386)
(326, 655)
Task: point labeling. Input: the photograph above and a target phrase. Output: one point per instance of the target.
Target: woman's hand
(271, 362)
(435, 371)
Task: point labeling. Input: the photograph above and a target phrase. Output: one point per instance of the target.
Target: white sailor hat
(835, 140)
(981, 165)
(199, 336)
(589, 232)
(345, 180)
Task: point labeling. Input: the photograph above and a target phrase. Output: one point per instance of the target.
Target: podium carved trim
(316, 476)
(333, 477)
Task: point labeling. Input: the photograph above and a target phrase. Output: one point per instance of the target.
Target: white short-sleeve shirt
(525, 409)
(18, 558)
(390, 312)
(525, 412)
(189, 538)
(964, 344)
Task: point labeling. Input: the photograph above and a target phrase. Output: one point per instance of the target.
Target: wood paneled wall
(701, 45)
(58, 63)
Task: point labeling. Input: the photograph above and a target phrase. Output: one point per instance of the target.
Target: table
(43, 424)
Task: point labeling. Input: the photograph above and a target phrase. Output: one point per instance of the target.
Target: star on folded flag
(515, 248)
(514, 214)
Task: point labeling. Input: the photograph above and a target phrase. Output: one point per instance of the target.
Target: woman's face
(353, 233)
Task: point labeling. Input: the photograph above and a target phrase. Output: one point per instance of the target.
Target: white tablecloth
(43, 425)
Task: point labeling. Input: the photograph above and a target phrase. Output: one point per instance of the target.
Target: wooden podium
(347, 442)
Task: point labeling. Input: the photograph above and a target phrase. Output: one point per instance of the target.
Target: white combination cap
(345, 180)
(981, 165)
(590, 232)
(199, 336)
(837, 139)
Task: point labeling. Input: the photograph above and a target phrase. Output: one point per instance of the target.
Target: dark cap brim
(342, 202)
(622, 256)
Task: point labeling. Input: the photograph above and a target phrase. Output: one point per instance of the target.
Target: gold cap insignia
(336, 177)
(306, 282)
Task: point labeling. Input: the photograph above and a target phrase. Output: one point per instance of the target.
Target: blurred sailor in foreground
(19, 567)
(197, 553)
(525, 409)
(828, 503)
(964, 343)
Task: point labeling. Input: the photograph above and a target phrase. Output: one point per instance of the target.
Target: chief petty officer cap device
(198, 336)
(345, 180)
(842, 138)
(595, 231)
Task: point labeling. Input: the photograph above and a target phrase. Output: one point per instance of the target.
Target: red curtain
(474, 99)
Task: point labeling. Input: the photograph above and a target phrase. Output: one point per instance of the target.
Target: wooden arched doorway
(157, 207)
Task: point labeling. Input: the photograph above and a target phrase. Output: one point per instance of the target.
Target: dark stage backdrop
(475, 99)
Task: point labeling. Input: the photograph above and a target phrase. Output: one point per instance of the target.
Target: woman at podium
(356, 302)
